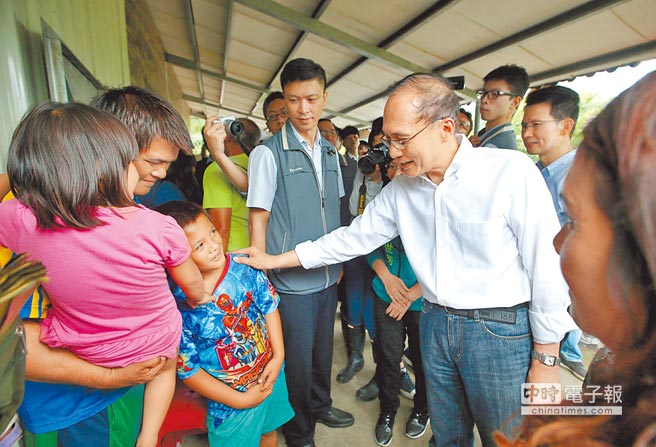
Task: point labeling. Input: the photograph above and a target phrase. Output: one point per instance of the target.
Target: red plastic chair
(186, 416)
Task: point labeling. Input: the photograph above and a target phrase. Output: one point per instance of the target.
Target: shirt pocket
(478, 243)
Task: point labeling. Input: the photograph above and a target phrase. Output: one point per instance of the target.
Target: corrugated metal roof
(228, 54)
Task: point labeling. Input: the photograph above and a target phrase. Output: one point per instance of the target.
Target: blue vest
(301, 211)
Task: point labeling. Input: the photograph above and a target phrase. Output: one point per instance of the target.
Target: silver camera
(232, 126)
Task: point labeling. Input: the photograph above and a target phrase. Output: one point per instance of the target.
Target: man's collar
(317, 136)
(462, 157)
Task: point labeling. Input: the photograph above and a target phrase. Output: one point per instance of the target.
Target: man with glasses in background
(479, 239)
(503, 90)
(275, 111)
(547, 128)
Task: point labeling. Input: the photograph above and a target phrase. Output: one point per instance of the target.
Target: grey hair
(435, 98)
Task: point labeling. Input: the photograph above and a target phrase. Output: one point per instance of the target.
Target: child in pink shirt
(70, 166)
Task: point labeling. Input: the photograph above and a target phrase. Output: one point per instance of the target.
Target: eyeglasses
(536, 124)
(327, 133)
(284, 114)
(493, 94)
(400, 144)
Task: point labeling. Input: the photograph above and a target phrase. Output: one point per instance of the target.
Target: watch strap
(545, 359)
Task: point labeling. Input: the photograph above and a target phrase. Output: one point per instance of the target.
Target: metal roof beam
(542, 27)
(318, 11)
(329, 33)
(226, 46)
(637, 52)
(189, 64)
(191, 27)
(428, 14)
(571, 15)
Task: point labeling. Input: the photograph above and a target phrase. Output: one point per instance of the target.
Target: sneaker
(384, 429)
(407, 385)
(576, 368)
(417, 424)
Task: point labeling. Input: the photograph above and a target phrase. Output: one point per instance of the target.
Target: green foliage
(196, 131)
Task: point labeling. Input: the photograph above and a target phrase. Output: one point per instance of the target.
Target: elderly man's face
(421, 154)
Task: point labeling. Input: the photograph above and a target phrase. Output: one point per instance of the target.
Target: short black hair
(564, 101)
(376, 129)
(148, 115)
(467, 114)
(513, 75)
(349, 130)
(269, 99)
(302, 70)
(184, 212)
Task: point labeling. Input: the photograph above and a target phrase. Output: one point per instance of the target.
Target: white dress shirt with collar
(482, 238)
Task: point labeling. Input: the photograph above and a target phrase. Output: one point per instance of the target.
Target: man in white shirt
(480, 242)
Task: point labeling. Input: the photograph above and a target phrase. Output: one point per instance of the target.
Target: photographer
(229, 142)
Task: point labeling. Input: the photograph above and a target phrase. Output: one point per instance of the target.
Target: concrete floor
(366, 413)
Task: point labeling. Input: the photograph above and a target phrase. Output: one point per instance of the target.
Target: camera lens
(234, 128)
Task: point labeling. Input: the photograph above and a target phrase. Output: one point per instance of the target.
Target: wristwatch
(545, 359)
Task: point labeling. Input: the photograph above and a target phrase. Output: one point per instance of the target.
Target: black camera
(378, 155)
(232, 126)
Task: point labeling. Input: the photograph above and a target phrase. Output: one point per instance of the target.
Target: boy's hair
(184, 212)
(302, 70)
(148, 115)
(269, 99)
(513, 75)
(66, 160)
(564, 101)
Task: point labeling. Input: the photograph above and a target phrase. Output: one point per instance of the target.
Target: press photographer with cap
(480, 243)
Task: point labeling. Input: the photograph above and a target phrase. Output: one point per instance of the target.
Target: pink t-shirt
(111, 303)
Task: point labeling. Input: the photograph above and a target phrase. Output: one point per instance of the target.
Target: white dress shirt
(482, 238)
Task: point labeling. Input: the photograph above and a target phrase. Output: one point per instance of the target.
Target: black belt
(506, 315)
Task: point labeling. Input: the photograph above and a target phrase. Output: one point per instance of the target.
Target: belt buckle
(499, 315)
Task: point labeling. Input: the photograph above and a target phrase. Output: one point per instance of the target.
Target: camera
(378, 155)
(233, 127)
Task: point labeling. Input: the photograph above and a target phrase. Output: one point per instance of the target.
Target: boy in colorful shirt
(231, 350)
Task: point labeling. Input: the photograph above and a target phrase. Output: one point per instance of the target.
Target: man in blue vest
(293, 196)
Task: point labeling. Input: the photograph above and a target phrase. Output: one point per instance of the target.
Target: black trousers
(389, 346)
(307, 326)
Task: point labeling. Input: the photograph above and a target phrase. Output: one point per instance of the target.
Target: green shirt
(220, 193)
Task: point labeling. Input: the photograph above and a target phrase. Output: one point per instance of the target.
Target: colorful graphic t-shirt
(228, 338)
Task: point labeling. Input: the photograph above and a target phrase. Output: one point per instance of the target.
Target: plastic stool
(186, 416)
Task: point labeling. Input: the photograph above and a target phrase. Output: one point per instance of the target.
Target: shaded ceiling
(228, 54)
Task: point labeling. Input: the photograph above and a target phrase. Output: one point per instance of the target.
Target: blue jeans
(474, 370)
(359, 294)
(570, 350)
